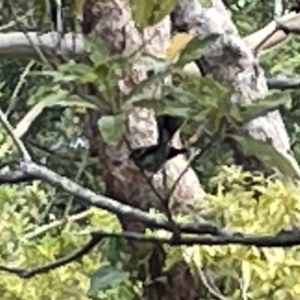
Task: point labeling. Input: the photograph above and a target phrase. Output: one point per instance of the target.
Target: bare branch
(113, 206)
(284, 83)
(291, 20)
(285, 238)
(44, 228)
(17, 45)
(19, 144)
(13, 177)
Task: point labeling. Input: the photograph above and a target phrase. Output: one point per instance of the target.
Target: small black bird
(154, 157)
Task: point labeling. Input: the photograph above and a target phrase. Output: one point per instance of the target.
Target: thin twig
(34, 46)
(19, 144)
(206, 283)
(13, 98)
(160, 198)
(44, 228)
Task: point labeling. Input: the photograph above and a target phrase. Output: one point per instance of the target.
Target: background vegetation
(34, 217)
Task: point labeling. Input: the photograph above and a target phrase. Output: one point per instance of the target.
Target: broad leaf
(141, 12)
(111, 128)
(161, 9)
(97, 50)
(194, 49)
(70, 101)
(178, 111)
(55, 96)
(105, 277)
(244, 114)
(74, 68)
(149, 12)
(142, 88)
(265, 152)
(156, 104)
(56, 75)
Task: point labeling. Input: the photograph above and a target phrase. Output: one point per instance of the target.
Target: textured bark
(228, 60)
(111, 21)
(123, 179)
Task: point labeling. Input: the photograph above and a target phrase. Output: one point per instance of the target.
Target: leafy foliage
(240, 200)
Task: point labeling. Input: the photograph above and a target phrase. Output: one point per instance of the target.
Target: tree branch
(113, 206)
(19, 144)
(284, 238)
(13, 177)
(284, 83)
(291, 20)
(19, 45)
(57, 223)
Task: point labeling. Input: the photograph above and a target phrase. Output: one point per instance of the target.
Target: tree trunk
(228, 60)
(111, 21)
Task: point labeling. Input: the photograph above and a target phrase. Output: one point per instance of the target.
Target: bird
(154, 157)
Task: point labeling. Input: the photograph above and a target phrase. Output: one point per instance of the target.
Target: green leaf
(141, 12)
(55, 96)
(194, 49)
(177, 111)
(243, 114)
(142, 88)
(51, 95)
(57, 76)
(266, 153)
(105, 277)
(149, 12)
(97, 50)
(111, 128)
(75, 68)
(156, 104)
(161, 9)
(102, 71)
(114, 250)
(70, 101)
